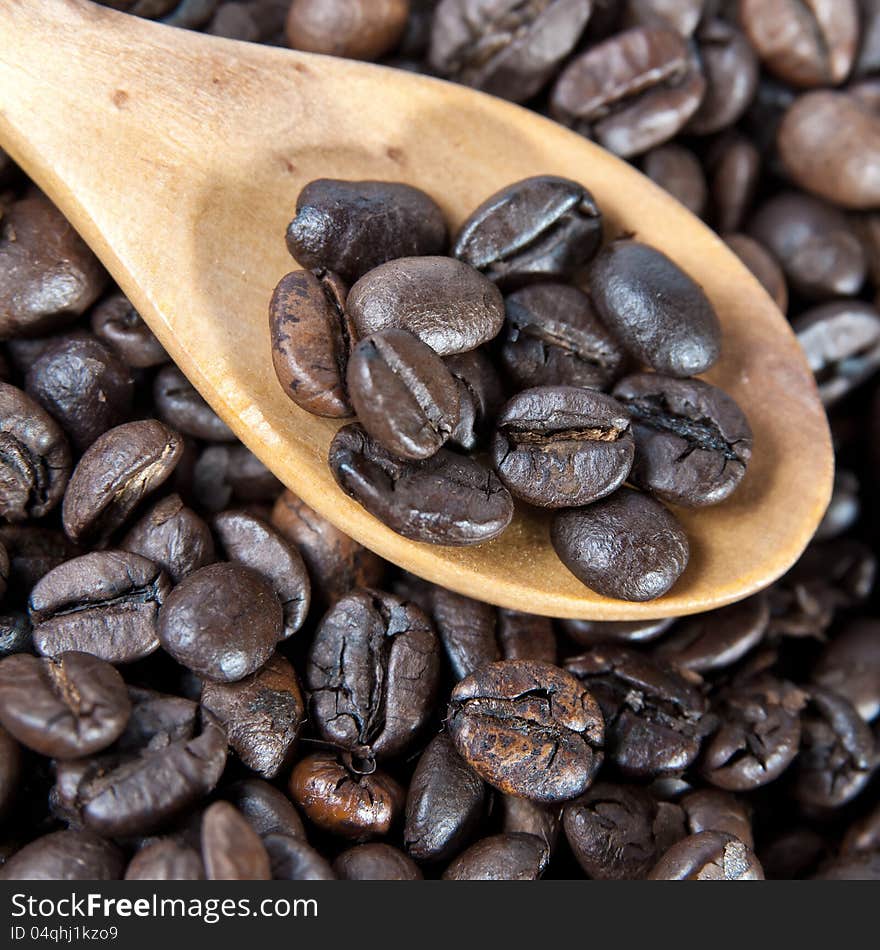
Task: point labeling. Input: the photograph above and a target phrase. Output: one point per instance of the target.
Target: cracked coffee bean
(708, 856)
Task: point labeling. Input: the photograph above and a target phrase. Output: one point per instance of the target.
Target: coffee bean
(658, 313)
(709, 809)
(626, 546)
(526, 637)
(692, 441)
(528, 729)
(555, 338)
(10, 772)
(762, 264)
(522, 816)
(631, 92)
(356, 29)
(4, 569)
(375, 862)
(166, 860)
(34, 551)
(118, 325)
(65, 856)
(118, 469)
(34, 457)
(222, 622)
(508, 857)
(181, 407)
(446, 499)
(735, 169)
(227, 473)
(403, 394)
(231, 849)
(593, 632)
(863, 835)
(372, 673)
(104, 603)
(868, 58)
(678, 170)
(350, 227)
(444, 302)
(708, 856)
(293, 860)
(540, 227)
(852, 868)
(262, 715)
(267, 809)
(850, 666)
(479, 396)
(560, 446)
(467, 629)
(311, 341)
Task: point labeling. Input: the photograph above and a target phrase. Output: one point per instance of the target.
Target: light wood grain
(179, 158)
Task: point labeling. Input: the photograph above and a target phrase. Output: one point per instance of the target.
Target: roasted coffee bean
(467, 629)
(479, 397)
(444, 803)
(841, 341)
(528, 729)
(4, 569)
(268, 810)
(181, 407)
(863, 835)
(522, 816)
(856, 867)
(104, 603)
(34, 551)
(344, 801)
(758, 735)
(762, 264)
(850, 666)
(708, 856)
(658, 313)
(311, 341)
(34, 457)
(446, 499)
(562, 446)
(735, 169)
(508, 857)
(541, 227)
(682, 15)
(506, 48)
(526, 637)
(375, 862)
(262, 715)
(117, 324)
(804, 42)
(231, 849)
(70, 705)
(222, 622)
(444, 302)
(172, 536)
(48, 276)
(829, 142)
(250, 541)
(65, 856)
(293, 860)
(356, 29)
(15, 634)
(118, 469)
(372, 673)
(10, 772)
(709, 809)
(335, 562)
(166, 860)
(554, 338)
(868, 59)
(631, 92)
(655, 718)
(593, 632)
(843, 510)
(350, 227)
(403, 394)
(677, 170)
(227, 473)
(692, 441)
(731, 69)
(626, 546)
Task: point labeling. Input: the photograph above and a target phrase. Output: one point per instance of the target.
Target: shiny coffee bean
(118, 325)
(15, 634)
(479, 397)
(231, 849)
(681, 15)
(350, 227)
(11, 761)
(311, 341)
(372, 673)
(292, 859)
(166, 860)
(105, 603)
(562, 446)
(375, 862)
(708, 856)
(183, 409)
(627, 546)
(65, 856)
(541, 227)
(268, 810)
(850, 666)
(735, 167)
(762, 264)
(467, 629)
(590, 633)
(658, 313)
(446, 499)
(403, 394)
(507, 857)
(528, 729)
(677, 170)
(708, 809)
(356, 29)
(444, 302)
(731, 69)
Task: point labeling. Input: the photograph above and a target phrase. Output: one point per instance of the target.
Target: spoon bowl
(179, 158)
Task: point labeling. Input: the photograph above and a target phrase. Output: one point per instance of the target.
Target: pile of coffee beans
(202, 678)
(436, 362)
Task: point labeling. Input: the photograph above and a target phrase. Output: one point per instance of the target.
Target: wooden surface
(179, 158)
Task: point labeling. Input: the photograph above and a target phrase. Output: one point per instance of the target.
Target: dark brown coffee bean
(311, 341)
(526, 637)
(735, 170)
(250, 541)
(166, 860)
(709, 809)
(343, 801)
(446, 499)
(682, 15)
(708, 856)
(34, 551)
(508, 857)
(731, 69)
(467, 629)
(293, 860)
(627, 546)
(677, 170)
(631, 92)
(117, 324)
(444, 302)
(403, 394)
(375, 862)
(355, 29)
(227, 473)
(231, 849)
(222, 622)
(118, 469)
(658, 313)
(372, 673)
(541, 227)
(350, 227)
(762, 264)
(10, 772)
(590, 633)
(105, 603)
(34, 457)
(692, 441)
(262, 715)
(528, 729)
(850, 666)
(65, 856)
(268, 810)
(4, 569)
(522, 816)
(183, 409)
(480, 394)
(48, 276)
(863, 835)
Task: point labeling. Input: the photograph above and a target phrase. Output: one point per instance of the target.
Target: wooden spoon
(179, 158)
